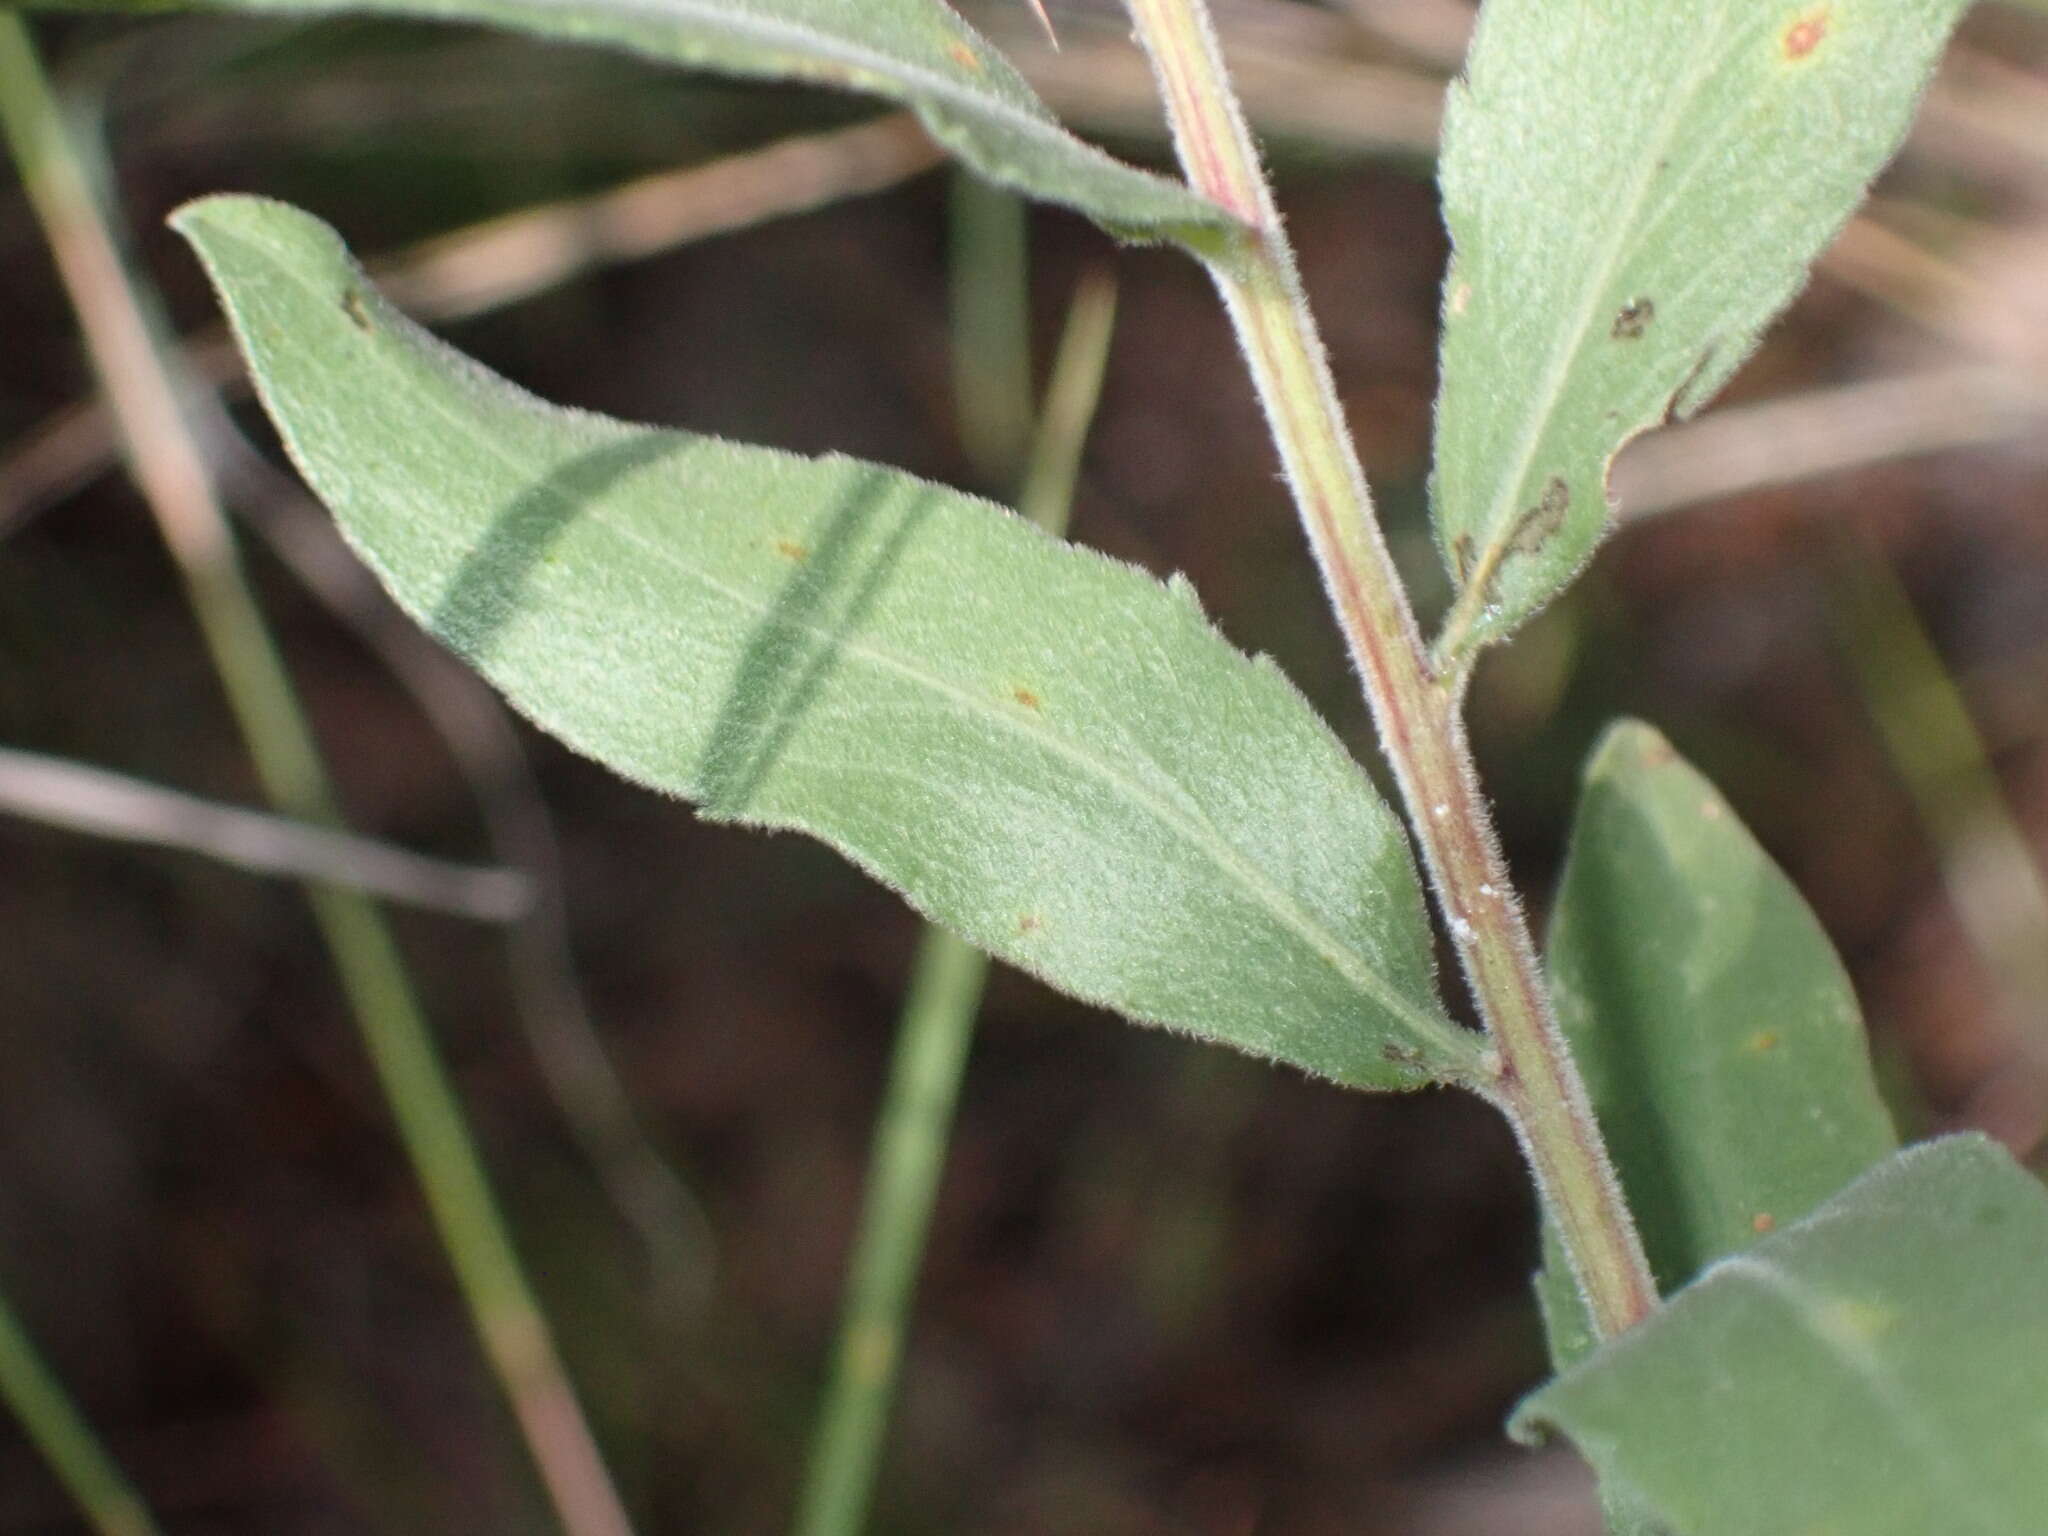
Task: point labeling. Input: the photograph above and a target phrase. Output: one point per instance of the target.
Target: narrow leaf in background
(1633, 191)
(60, 1431)
(916, 52)
(1047, 751)
(1873, 1369)
(1718, 1034)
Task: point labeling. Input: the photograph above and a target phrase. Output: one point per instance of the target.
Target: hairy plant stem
(1418, 712)
(177, 484)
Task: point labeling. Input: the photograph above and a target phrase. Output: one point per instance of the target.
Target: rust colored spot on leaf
(1027, 698)
(352, 306)
(789, 549)
(1657, 753)
(1805, 34)
(1762, 1222)
(1462, 555)
(964, 56)
(1763, 1040)
(1634, 319)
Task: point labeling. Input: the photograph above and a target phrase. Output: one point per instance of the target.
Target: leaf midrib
(1192, 830)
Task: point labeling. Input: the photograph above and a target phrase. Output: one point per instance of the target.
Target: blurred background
(1168, 1289)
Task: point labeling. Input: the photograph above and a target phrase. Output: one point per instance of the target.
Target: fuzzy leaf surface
(1633, 190)
(1718, 1035)
(916, 52)
(1873, 1369)
(1046, 750)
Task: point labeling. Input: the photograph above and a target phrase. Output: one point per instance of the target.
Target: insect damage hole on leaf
(1634, 319)
(1688, 396)
(1540, 523)
(1536, 527)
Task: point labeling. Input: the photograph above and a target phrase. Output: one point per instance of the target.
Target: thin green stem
(1531, 1074)
(1046, 495)
(988, 262)
(172, 473)
(937, 1026)
(909, 1154)
(60, 1432)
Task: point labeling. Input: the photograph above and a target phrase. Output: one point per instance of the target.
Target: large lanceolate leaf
(1046, 750)
(1632, 190)
(917, 52)
(1717, 1032)
(1874, 1370)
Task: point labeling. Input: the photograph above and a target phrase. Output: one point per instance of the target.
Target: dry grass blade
(1824, 431)
(60, 793)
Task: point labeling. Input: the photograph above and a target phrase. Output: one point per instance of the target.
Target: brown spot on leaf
(964, 56)
(1763, 1040)
(1540, 523)
(1029, 923)
(789, 549)
(1027, 698)
(1634, 319)
(1762, 1222)
(1462, 557)
(1657, 752)
(352, 305)
(1805, 34)
(1397, 1054)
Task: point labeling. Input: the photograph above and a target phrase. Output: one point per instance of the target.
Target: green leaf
(1047, 751)
(1717, 1032)
(917, 52)
(1874, 1370)
(1633, 190)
